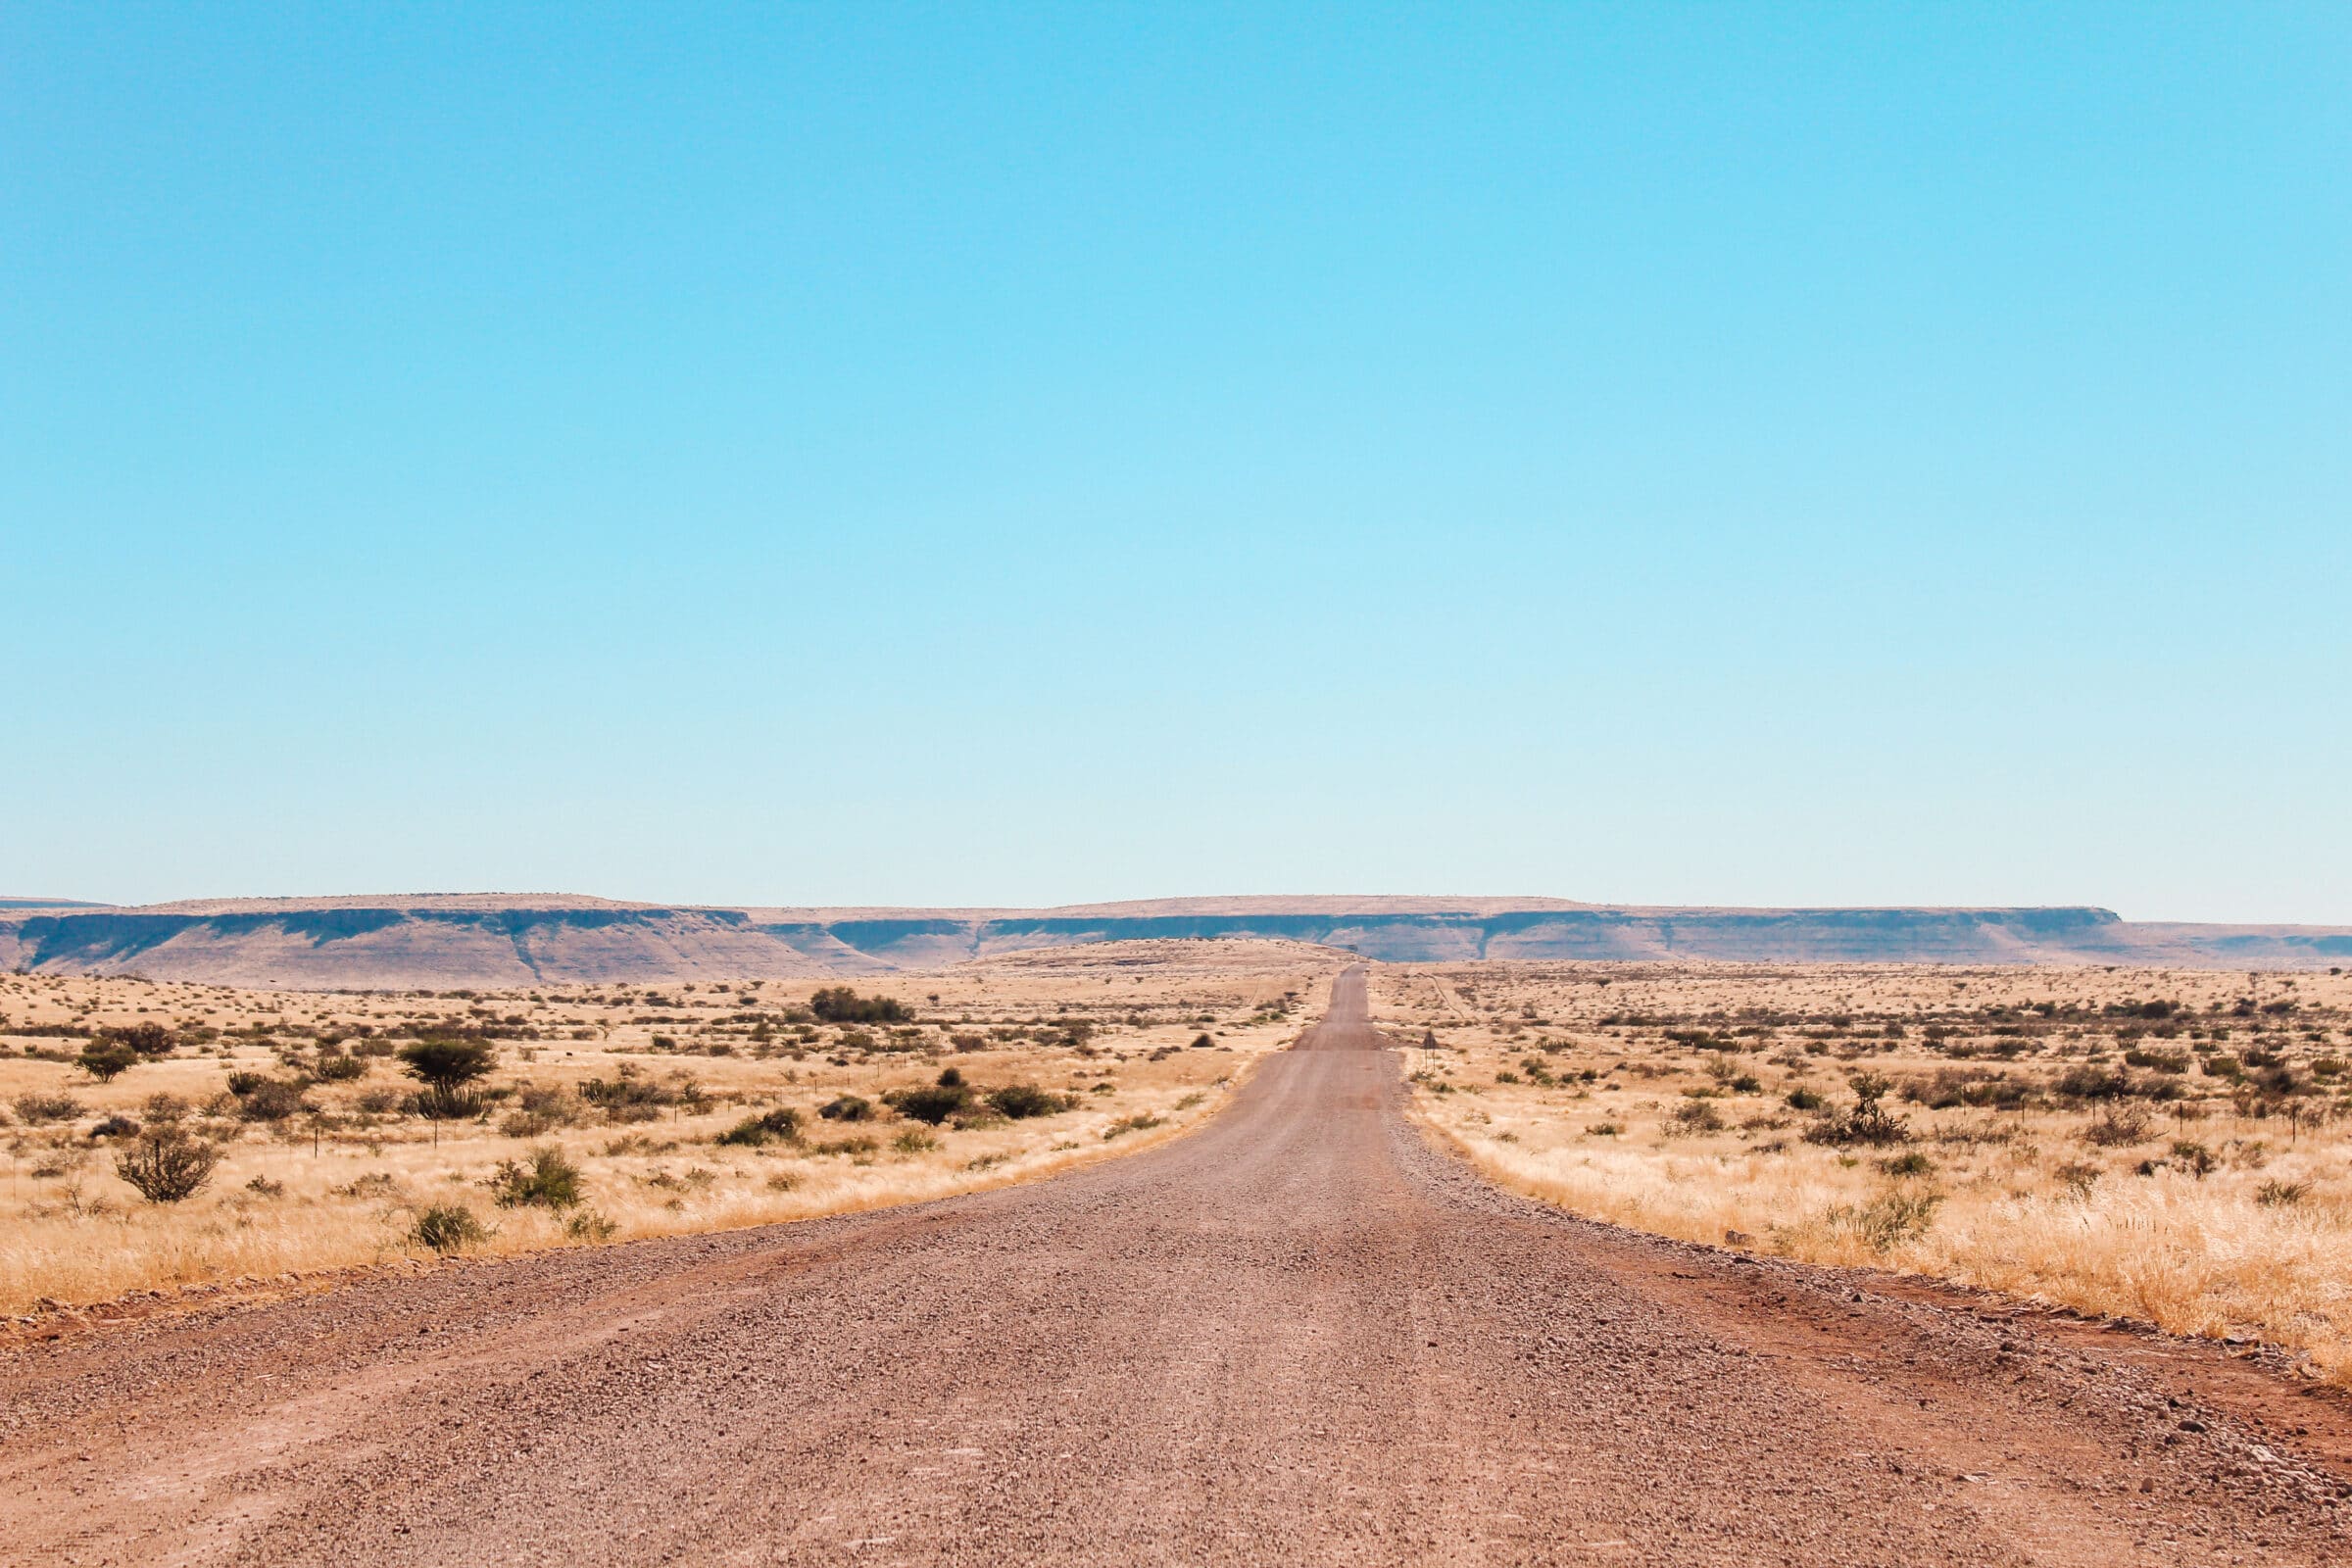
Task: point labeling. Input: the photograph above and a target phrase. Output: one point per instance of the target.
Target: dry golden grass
(2188, 1169)
(343, 1182)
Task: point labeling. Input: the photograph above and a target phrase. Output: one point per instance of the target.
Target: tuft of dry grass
(2168, 1147)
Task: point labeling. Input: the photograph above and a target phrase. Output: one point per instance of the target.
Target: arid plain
(654, 1095)
(1106, 1253)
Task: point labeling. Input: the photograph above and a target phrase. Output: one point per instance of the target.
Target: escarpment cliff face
(493, 940)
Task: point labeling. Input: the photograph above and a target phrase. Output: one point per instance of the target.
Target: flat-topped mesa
(447, 940)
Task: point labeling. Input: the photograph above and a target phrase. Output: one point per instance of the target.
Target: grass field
(2171, 1147)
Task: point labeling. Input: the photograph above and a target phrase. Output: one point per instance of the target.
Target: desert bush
(845, 1145)
(587, 1225)
(456, 1103)
(265, 1099)
(841, 1004)
(162, 1107)
(2282, 1195)
(539, 1110)
(915, 1141)
(931, 1102)
(37, 1110)
(448, 1228)
(1692, 1117)
(1955, 1087)
(339, 1069)
(1868, 1123)
(848, 1107)
(780, 1125)
(141, 1039)
(630, 1096)
(1019, 1102)
(1806, 1100)
(2088, 1082)
(2113, 1126)
(449, 1065)
(167, 1166)
(1913, 1163)
(547, 1179)
(2193, 1157)
(264, 1186)
(106, 1061)
(1129, 1124)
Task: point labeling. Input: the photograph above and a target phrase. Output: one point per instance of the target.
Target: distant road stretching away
(1298, 1336)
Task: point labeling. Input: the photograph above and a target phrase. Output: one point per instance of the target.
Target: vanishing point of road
(1298, 1336)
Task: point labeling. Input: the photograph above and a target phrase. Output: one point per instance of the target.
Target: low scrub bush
(547, 1179)
(931, 1102)
(1867, 1123)
(848, 1107)
(106, 1061)
(448, 1228)
(841, 1004)
(2113, 1126)
(782, 1125)
(1019, 1102)
(264, 1099)
(167, 1166)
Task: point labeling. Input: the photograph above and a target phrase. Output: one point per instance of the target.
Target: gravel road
(1298, 1335)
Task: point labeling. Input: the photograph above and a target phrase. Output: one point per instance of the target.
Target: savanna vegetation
(2174, 1148)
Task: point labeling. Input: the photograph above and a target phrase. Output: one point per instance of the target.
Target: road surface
(1298, 1335)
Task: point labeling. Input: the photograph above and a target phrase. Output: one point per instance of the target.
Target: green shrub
(848, 1107)
(448, 1228)
(107, 1061)
(446, 1064)
(167, 1166)
(933, 1102)
(1019, 1102)
(773, 1126)
(1868, 1123)
(261, 1098)
(841, 1004)
(142, 1038)
(452, 1103)
(547, 1180)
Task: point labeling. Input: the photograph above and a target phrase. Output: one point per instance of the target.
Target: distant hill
(446, 941)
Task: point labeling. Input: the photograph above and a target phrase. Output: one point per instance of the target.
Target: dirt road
(1296, 1337)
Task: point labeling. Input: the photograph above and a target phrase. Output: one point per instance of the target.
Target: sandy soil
(1298, 1335)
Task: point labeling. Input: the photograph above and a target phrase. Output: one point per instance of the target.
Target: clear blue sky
(1027, 454)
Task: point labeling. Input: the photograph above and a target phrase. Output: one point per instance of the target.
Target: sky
(1017, 455)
